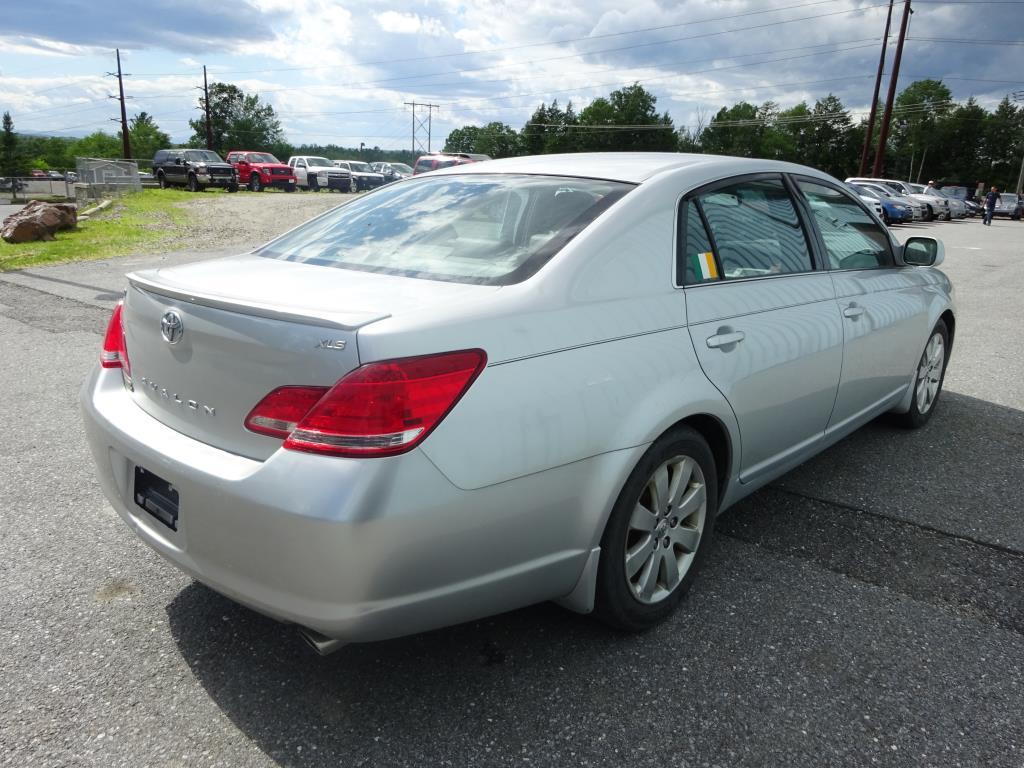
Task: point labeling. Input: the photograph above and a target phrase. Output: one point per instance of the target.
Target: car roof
(629, 167)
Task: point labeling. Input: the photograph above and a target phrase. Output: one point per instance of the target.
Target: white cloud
(410, 24)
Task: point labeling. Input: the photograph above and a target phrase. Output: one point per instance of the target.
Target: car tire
(353, 186)
(313, 186)
(233, 187)
(254, 183)
(658, 533)
(290, 188)
(885, 218)
(161, 180)
(193, 183)
(929, 375)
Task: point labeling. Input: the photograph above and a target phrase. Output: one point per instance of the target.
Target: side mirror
(923, 252)
(177, 161)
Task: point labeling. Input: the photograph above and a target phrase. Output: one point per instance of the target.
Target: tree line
(931, 136)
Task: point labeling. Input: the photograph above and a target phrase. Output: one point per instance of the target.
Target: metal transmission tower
(126, 146)
(419, 125)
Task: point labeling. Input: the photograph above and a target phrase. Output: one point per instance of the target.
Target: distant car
(433, 162)
(491, 386)
(962, 194)
(935, 206)
(892, 212)
(55, 176)
(363, 177)
(35, 173)
(315, 173)
(883, 191)
(1009, 205)
(259, 170)
(957, 209)
(195, 169)
(392, 171)
(11, 185)
(73, 177)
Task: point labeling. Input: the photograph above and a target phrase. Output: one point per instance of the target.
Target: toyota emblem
(171, 327)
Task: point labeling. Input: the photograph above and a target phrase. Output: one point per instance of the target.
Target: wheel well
(950, 321)
(712, 430)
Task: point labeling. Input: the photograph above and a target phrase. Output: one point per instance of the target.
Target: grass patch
(133, 221)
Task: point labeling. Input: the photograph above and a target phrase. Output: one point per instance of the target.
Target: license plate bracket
(157, 497)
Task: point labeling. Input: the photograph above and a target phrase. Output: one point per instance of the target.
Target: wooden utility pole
(206, 105)
(883, 133)
(874, 98)
(126, 145)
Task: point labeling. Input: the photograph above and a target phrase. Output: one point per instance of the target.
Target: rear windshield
(485, 229)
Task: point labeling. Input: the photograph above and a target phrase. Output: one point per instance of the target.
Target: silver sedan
(508, 382)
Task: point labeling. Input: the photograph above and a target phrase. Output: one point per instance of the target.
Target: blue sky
(340, 71)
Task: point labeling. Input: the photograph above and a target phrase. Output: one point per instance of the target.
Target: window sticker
(704, 265)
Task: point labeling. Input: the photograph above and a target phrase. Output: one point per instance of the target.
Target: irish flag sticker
(704, 265)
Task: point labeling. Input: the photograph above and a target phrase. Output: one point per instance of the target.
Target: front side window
(852, 238)
(485, 229)
(756, 229)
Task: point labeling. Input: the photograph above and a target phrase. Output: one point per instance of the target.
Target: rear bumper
(356, 549)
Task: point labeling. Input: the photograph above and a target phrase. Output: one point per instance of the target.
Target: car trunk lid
(207, 341)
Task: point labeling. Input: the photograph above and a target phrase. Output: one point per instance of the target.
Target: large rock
(38, 221)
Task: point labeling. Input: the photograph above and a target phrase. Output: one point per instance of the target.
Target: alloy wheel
(665, 529)
(929, 373)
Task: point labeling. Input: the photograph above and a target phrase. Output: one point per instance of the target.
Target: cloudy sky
(340, 70)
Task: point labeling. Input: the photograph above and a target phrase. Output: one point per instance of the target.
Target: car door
(300, 172)
(174, 170)
(882, 305)
(761, 316)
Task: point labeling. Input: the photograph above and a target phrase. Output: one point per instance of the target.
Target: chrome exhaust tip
(322, 644)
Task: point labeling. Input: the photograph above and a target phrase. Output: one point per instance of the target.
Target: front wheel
(928, 378)
(928, 213)
(353, 186)
(254, 183)
(193, 183)
(232, 187)
(658, 532)
(161, 180)
(313, 186)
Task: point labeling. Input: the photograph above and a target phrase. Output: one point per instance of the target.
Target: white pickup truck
(315, 173)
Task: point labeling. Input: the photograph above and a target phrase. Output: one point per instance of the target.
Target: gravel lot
(867, 609)
(247, 219)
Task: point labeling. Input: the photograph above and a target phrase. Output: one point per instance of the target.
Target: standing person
(931, 190)
(991, 200)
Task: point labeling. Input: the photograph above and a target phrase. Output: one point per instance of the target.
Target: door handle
(853, 311)
(720, 340)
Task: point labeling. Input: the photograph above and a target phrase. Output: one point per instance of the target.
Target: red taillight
(280, 412)
(115, 350)
(380, 409)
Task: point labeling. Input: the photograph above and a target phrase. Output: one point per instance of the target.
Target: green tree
(1001, 138)
(550, 129)
(146, 137)
(462, 139)
(733, 131)
(918, 112)
(638, 126)
(238, 121)
(98, 144)
(497, 140)
(8, 148)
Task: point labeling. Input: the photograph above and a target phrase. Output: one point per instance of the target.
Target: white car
(935, 206)
(957, 208)
(501, 383)
(315, 173)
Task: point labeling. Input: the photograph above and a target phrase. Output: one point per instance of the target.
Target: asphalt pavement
(866, 609)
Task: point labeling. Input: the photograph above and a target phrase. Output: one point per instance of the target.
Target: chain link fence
(101, 178)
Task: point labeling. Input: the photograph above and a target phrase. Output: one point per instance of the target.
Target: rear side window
(852, 238)
(756, 229)
(423, 165)
(698, 263)
(484, 229)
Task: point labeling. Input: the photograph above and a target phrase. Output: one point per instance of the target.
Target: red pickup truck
(259, 170)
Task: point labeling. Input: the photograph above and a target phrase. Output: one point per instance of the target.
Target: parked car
(258, 170)
(935, 207)
(534, 379)
(882, 191)
(963, 194)
(36, 173)
(72, 177)
(1009, 205)
(392, 171)
(11, 185)
(435, 161)
(195, 169)
(315, 173)
(363, 178)
(957, 209)
(891, 211)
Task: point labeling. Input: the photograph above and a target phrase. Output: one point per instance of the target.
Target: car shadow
(429, 698)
